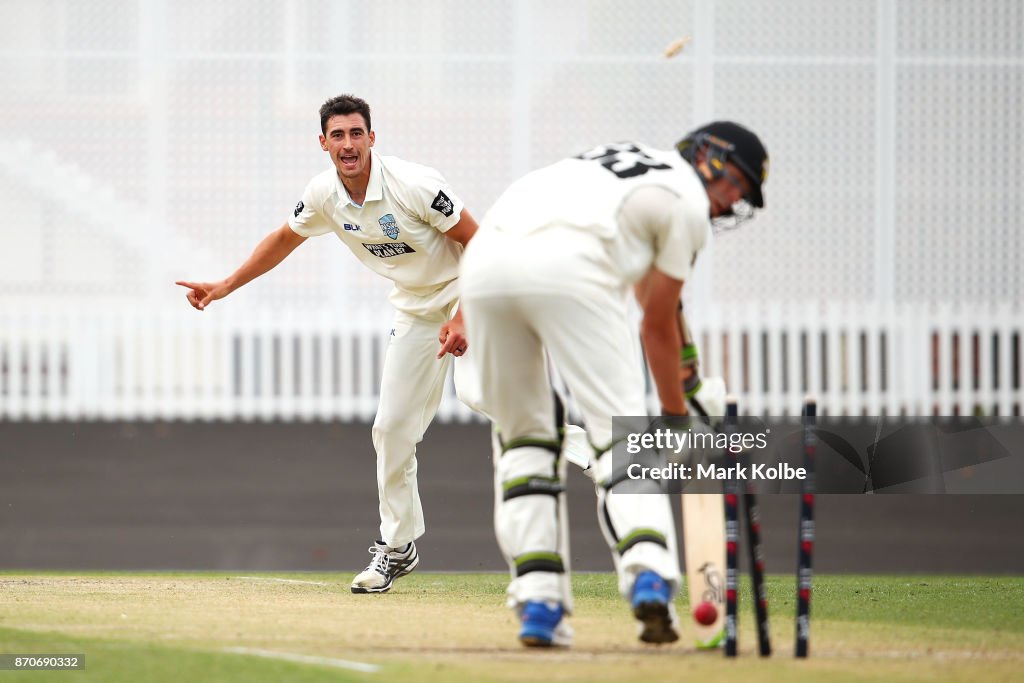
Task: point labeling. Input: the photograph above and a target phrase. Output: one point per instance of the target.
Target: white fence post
(1004, 333)
(811, 317)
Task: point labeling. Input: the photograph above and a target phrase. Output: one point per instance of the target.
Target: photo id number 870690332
(41, 662)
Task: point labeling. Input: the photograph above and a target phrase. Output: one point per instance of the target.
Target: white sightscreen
(143, 141)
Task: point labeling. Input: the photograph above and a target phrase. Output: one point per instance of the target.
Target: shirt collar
(375, 186)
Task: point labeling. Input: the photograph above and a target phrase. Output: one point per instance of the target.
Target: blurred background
(145, 141)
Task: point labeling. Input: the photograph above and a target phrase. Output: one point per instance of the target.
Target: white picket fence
(868, 359)
(856, 358)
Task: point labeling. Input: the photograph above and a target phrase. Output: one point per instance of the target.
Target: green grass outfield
(241, 626)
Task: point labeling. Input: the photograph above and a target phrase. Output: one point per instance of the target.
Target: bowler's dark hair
(343, 105)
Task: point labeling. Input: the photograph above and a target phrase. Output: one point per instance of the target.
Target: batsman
(548, 275)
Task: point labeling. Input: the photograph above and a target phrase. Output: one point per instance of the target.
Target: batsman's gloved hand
(706, 398)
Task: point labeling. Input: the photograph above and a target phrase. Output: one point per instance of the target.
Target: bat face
(704, 550)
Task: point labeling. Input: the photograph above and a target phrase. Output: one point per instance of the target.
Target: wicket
(732, 540)
(806, 534)
(753, 526)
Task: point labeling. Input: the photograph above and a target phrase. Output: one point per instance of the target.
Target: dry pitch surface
(304, 627)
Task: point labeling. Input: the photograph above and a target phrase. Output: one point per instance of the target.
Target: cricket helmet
(726, 141)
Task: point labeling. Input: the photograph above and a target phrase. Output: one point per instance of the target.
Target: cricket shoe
(386, 565)
(653, 608)
(543, 625)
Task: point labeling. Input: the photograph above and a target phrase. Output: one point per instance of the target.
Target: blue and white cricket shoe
(543, 625)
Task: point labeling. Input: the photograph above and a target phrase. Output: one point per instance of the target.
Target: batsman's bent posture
(549, 271)
(403, 222)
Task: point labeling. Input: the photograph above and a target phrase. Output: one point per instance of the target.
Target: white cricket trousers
(411, 385)
(586, 331)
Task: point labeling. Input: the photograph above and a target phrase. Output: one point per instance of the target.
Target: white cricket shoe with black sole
(386, 565)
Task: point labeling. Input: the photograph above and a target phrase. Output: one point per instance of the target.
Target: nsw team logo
(389, 225)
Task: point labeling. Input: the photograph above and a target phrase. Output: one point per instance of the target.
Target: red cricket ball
(705, 613)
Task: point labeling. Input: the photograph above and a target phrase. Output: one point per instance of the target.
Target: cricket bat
(704, 546)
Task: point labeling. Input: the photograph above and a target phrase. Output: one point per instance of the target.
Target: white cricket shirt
(645, 206)
(398, 232)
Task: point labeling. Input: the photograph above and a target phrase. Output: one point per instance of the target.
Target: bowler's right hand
(202, 293)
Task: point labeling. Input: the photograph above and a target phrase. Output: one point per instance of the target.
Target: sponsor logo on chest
(388, 250)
